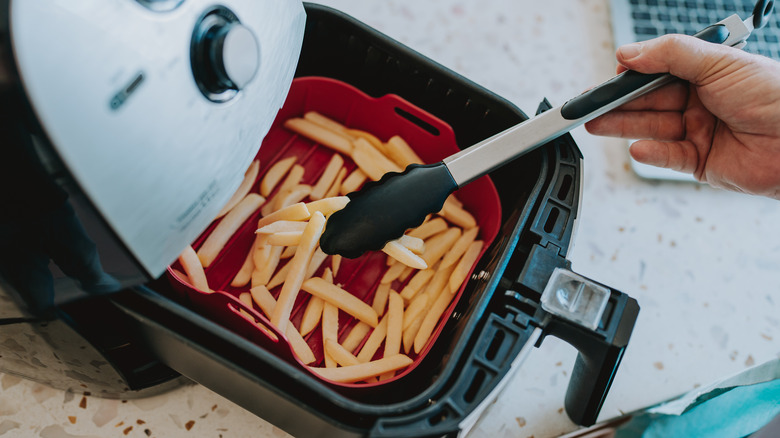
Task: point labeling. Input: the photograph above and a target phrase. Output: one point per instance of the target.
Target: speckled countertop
(704, 264)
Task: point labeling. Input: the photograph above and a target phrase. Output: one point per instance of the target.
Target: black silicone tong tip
(383, 210)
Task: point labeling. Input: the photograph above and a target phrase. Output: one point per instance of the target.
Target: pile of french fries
(425, 268)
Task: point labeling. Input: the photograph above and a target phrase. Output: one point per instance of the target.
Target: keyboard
(646, 19)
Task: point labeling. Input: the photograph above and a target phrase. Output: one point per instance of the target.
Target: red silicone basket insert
(384, 117)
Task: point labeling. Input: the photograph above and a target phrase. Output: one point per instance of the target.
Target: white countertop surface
(704, 264)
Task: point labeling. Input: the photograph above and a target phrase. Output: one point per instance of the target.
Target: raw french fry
(328, 206)
(380, 298)
(335, 188)
(371, 161)
(335, 264)
(393, 273)
(438, 245)
(291, 196)
(429, 228)
(405, 273)
(414, 244)
(375, 339)
(341, 299)
(327, 122)
(460, 246)
(262, 254)
(327, 177)
(415, 309)
(194, 270)
(227, 227)
(418, 281)
(353, 181)
(363, 371)
(318, 134)
(275, 174)
(299, 345)
(246, 298)
(293, 178)
(395, 320)
(399, 151)
(244, 273)
(284, 238)
(263, 298)
(399, 252)
(182, 276)
(411, 332)
(243, 189)
(288, 252)
(265, 271)
(464, 265)
(431, 318)
(297, 270)
(311, 315)
(330, 328)
(457, 215)
(282, 226)
(316, 261)
(295, 212)
(341, 355)
(356, 334)
(439, 281)
(375, 142)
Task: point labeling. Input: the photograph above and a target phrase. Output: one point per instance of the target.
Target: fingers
(683, 56)
(656, 125)
(681, 156)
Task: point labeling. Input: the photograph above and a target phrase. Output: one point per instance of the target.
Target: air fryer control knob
(225, 55)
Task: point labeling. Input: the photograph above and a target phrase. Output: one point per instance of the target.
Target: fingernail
(630, 51)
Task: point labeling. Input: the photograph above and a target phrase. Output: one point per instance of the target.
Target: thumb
(683, 56)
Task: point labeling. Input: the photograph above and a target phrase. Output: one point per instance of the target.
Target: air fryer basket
(498, 317)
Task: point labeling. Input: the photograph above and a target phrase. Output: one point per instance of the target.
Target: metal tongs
(382, 211)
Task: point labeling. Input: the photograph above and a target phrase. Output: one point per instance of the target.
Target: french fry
(405, 273)
(291, 196)
(418, 281)
(414, 244)
(398, 150)
(335, 264)
(341, 355)
(375, 339)
(299, 345)
(464, 265)
(395, 321)
(363, 371)
(353, 181)
(267, 304)
(460, 246)
(415, 309)
(341, 299)
(311, 315)
(243, 189)
(246, 298)
(262, 254)
(263, 298)
(355, 336)
(431, 318)
(293, 178)
(327, 177)
(328, 206)
(295, 212)
(316, 261)
(439, 281)
(194, 270)
(399, 252)
(393, 273)
(371, 161)
(429, 228)
(380, 298)
(457, 215)
(181, 275)
(275, 174)
(297, 270)
(288, 252)
(375, 142)
(285, 238)
(225, 229)
(327, 122)
(244, 273)
(279, 276)
(330, 328)
(282, 226)
(438, 245)
(318, 134)
(335, 188)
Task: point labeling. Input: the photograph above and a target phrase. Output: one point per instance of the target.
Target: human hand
(722, 123)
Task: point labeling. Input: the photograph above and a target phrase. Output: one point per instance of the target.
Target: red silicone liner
(389, 115)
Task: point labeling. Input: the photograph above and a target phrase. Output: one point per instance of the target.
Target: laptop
(639, 20)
